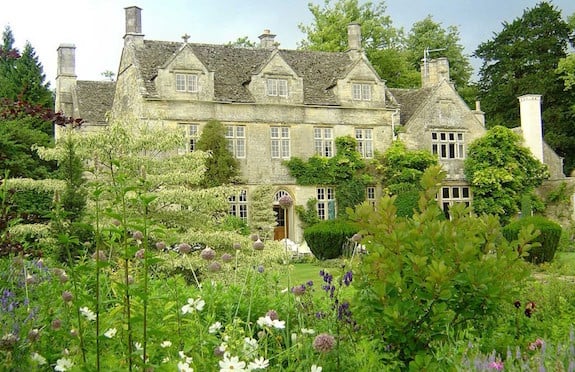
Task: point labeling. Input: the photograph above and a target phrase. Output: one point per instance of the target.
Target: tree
(522, 59)
(429, 35)
(262, 217)
(382, 42)
(242, 42)
(501, 172)
(221, 166)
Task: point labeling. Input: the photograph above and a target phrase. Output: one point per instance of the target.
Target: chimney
(434, 71)
(354, 36)
(65, 78)
(267, 40)
(134, 24)
(531, 125)
(479, 115)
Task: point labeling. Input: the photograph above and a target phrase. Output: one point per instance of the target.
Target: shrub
(326, 238)
(406, 203)
(548, 239)
(427, 277)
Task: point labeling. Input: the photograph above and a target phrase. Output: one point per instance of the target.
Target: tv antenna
(426, 52)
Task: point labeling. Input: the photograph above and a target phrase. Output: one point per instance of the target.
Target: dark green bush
(33, 206)
(326, 239)
(549, 237)
(406, 203)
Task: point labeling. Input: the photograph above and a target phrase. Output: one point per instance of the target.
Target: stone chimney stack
(65, 78)
(354, 36)
(479, 115)
(531, 125)
(267, 40)
(433, 71)
(134, 25)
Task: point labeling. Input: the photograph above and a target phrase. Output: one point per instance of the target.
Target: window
(323, 139)
(280, 142)
(449, 195)
(364, 138)
(325, 203)
(361, 92)
(236, 136)
(370, 195)
(187, 83)
(191, 134)
(239, 205)
(447, 145)
(277, 87)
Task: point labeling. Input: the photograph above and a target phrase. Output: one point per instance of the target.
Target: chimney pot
(354, 36)
(66, 60)
(134, 24)
(267, 39)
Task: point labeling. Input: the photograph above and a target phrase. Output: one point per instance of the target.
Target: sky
(96, 27)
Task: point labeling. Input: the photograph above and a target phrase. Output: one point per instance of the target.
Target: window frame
(364, 142)
(324, 196)
(362, 91)
(187, 82)
(277, 87)
(280, 142)
(448, 145)
(451, 194)
(236, 141)
(323, 145)
(192, 135)
(238, 205)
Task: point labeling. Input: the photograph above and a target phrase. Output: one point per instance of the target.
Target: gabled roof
(410, 100)
(95, 99)
(234, 67)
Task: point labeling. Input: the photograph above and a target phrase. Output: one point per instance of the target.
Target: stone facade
(277, 104)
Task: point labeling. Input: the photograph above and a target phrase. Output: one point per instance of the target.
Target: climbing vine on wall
(344, 171)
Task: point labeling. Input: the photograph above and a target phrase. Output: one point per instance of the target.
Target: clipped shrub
(326, 239)
(548, 239)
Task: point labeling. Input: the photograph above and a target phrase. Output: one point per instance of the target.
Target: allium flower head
(214, 267)
(272, 314)
(140, 254)
(261, 269)
(184, 248)
(100, 255)
(226, 257)
(34, 335)
(67, 296)
(208, 254)
(298, 290)
(237, 246)
(8, 341)
(56, 324)
(254, 237)
(160, 246)
(137, 235)
(323, 343)
(258, 245)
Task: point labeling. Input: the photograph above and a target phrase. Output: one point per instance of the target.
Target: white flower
(315, 368)
(233, 364)
(38, 359)
(260, 363)
(193, 305)
(184, 367)
(110, 333)
(63, 364)
(279, 324)
(89, 314)
(138, 346)
(166, 344)
(264, 321)
(307, 331)
(215, 327)
(186, 358)
(165, 360)
(294, 337)
(250, 347)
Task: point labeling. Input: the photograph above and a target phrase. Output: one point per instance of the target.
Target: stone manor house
(278, 103)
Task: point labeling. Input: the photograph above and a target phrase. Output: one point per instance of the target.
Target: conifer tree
(221, 167)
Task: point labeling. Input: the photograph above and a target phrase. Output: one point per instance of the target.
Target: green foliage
(326, 238)
(236, 224)
(501, 171)
(308, 214)
(428, 34)
(33, 206)
(242, 42)
(343, 171)
(221, 167)
(427, 276)
(514, 64)
(548, 239)
(407, 203)
(262, 218)
(380, 40)
(399, 169)
(71, 169)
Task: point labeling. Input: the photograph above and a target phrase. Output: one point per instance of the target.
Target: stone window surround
(325, 201)
(323, 141)
(448, 144)
(186, 81)
(191, 133)
(361, 91)
(277, 87)
(280, 142)
(450, 194)
(364, 138)
(239, 205)
(236, 138)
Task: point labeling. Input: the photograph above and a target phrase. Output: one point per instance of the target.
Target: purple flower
(161, 246)
(347, 278)
(56, 324)
(214, 267)
(261, 269)
(67, 296)
(255, 237)
(100, 255)
(310, 283)
(272, 314)
(258, 245)
(184, 248)
(323, 343)
(298, 290)
(497, 365)
(226, 257)
(237, 246)
(140, 254)
(285, 201)
(137, 235)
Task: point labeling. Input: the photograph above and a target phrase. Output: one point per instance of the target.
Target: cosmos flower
(193, 305)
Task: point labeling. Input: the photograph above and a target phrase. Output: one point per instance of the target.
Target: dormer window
(361, 92)
(277, 87)
(187, 83)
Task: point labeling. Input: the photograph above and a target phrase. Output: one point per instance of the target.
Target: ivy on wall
(344, 171)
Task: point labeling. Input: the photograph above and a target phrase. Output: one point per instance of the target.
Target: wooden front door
(282, 223)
